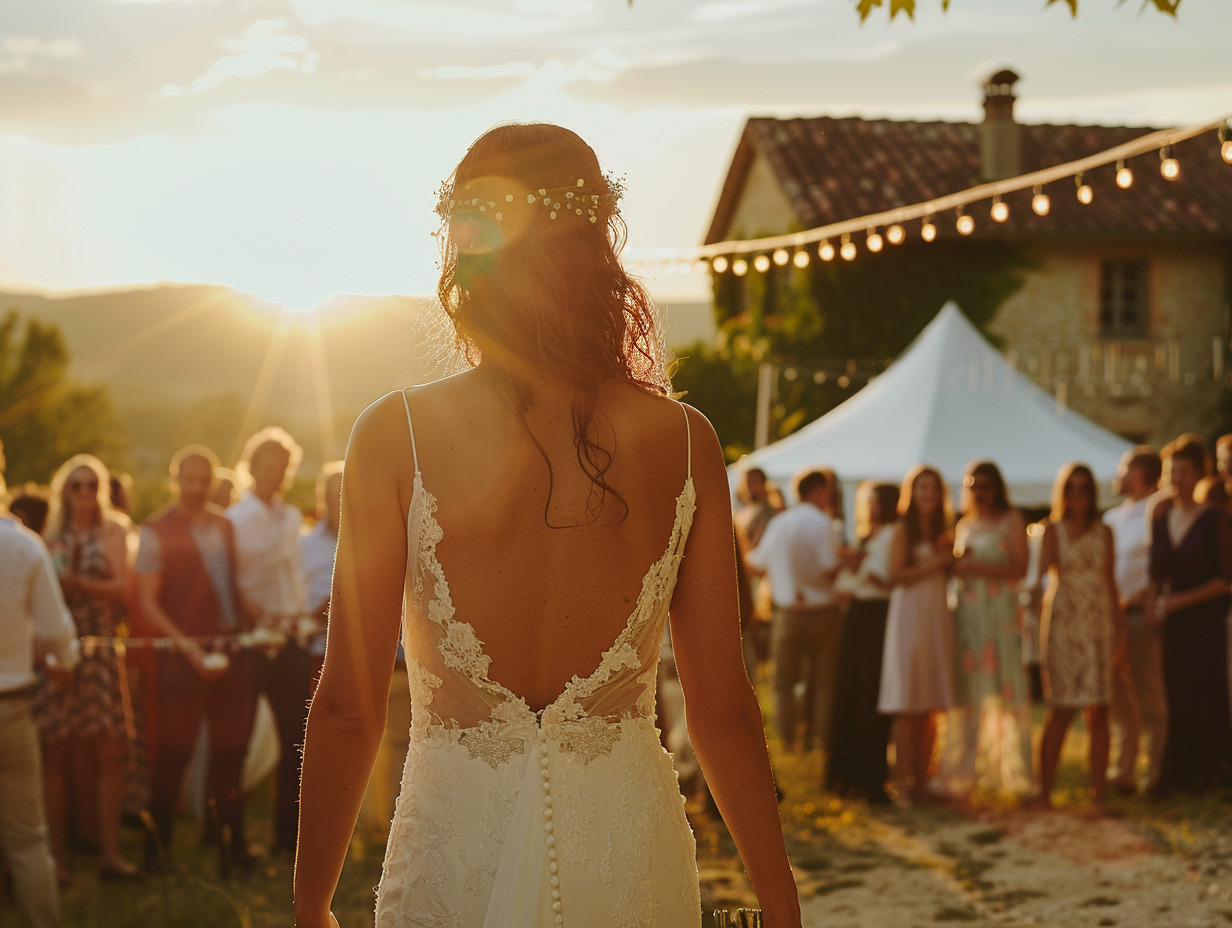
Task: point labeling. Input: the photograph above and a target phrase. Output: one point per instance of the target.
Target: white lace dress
(514, 818)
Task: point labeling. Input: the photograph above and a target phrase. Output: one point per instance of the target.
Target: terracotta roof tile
(838, 168)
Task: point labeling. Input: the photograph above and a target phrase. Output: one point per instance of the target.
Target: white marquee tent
(951, 398)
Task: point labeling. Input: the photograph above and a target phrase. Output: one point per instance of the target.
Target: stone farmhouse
(1125, 312)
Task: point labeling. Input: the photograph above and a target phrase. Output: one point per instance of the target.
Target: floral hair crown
(495, 197)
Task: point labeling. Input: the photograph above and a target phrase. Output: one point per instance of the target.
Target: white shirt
(31, 607)
(1131, 535)
(799, 555)
(316, 554)
(267, 554)
(874, 566)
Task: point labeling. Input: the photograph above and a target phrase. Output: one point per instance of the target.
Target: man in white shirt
(271, 587)
(32, 616)
(1138, 705)
(798, 555)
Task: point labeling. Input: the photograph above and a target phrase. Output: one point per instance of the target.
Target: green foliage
(843, 321)
(45, 417)
(865, 7)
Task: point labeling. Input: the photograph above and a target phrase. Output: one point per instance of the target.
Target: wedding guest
(859, 736)
(755, 512)
(271, 586)
(991, 693)
(86, 716)
(34, 621)
(226, 492)
(1191, 566)
(186, 585)
(916, 669)
(31, 507)
(799, 558)
(317, 549)
(1223, 456)
(1081, 619)
(1138, 705)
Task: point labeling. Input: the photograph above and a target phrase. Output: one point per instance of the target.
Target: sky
(293, 148)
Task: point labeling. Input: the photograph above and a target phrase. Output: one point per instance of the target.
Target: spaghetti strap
(688, 440)
(410, 428)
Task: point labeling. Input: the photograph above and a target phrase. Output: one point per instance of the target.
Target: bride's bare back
(547, 585)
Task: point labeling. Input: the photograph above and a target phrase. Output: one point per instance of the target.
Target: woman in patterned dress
(81, 718)
(990, 683)
(1081, 618)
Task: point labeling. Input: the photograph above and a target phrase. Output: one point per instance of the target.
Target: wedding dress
(571, 815)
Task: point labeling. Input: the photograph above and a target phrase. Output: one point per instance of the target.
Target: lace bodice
(512, 818)
(450, 686)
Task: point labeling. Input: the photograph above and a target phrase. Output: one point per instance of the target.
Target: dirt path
(1061, 869)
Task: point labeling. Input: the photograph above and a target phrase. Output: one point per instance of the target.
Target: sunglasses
(75, 485)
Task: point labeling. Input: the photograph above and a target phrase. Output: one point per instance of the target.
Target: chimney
(999, 133)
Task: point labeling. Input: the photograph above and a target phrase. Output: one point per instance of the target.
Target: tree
(45, 417)
(832, 325)
(865, 7)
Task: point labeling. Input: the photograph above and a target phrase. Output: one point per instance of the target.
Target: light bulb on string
(895, 234)
(1084, 192)
(800, 259)
(1169, 167)
(1124, 176)
(740, 267)
(848, 249)
(1225, 143)
(700, 266)
(781, 257)
(964, 223)
(1040, 203)
(825, 251)
(684, 268)
(761, 263)
(719, 264)
(873, 242)
(1000, 211)
(928, 231)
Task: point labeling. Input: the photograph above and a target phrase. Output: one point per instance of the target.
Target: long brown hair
(537, 288)
(909, 512)
(1060, 508)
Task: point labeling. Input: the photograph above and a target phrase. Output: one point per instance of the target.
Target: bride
(536, 519)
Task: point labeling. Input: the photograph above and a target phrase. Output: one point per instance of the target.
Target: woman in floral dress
(81, 718)
(1081, 615)
(991, 723)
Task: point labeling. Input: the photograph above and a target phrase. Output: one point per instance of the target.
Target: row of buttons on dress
(549, 838)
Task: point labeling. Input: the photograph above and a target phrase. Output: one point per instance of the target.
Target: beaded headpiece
(479, 213)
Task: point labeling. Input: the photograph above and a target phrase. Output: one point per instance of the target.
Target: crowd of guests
(125, 651)
(934, 637)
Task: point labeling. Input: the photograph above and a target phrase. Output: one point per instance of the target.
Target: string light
(848, 249)
(700, 266)
(999, 212)
(761, 263)
(1169, 167)
(1225, 144)
(895, 234)
(873, 242)
(719, 264)
(1124, 176)
(1085, 193)
(740, 267)
(781, 257)
(928, 231)
(825, 251)
(800, 259)
(1040, 202)
(964, 224)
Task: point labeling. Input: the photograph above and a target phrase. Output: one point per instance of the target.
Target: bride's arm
(347, 717)
(724, 720)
